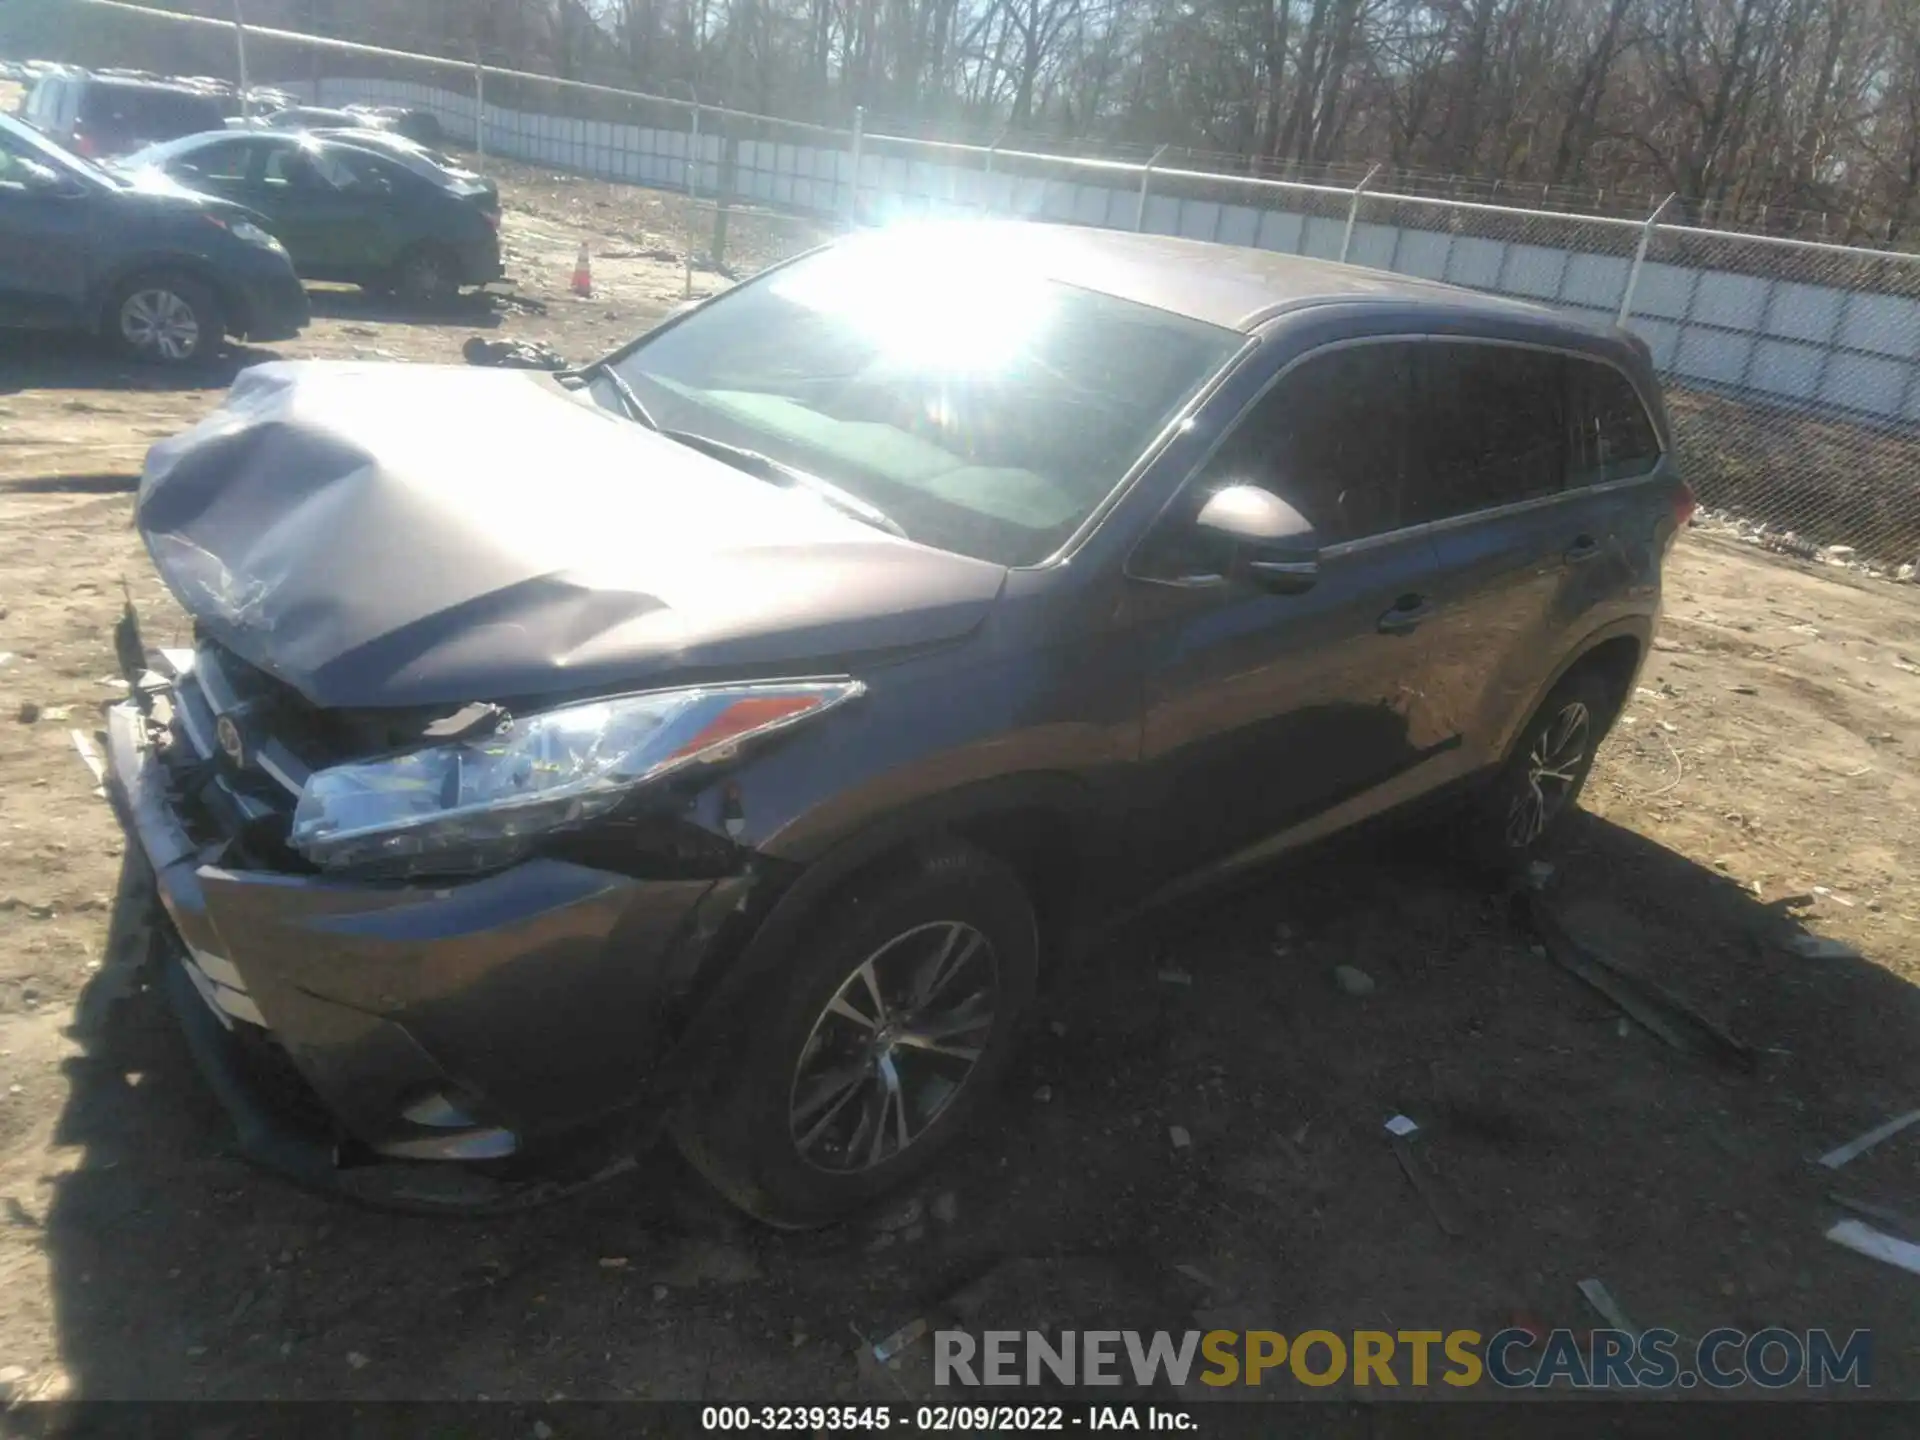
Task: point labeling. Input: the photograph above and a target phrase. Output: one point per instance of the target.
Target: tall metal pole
(479, 110)
(1640, 259)
(859, 139)
(1146, 177)
(240, 53)
(1353, 211)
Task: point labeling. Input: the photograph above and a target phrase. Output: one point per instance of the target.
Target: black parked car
(344, 212)
(726, 741)
(100, 116)
(162, 271)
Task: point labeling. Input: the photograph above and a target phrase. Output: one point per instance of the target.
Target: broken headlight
(479, 803)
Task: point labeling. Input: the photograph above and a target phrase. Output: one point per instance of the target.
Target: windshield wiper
(629, 401)
(781, 473)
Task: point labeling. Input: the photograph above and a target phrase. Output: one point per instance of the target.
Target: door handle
(1405, 616)
(1584, 547)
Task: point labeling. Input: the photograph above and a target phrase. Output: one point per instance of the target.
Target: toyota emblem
(231, 740)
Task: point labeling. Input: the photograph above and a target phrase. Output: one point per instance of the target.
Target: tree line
(1790, 116)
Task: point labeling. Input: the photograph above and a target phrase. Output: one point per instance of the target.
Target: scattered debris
(1353, 980)
(1178, 1135)
(613, 1262)
(1198, 1276)
(1043, 1094)
(1744, 690)
(1859, 1146)
(1175, 977)
(1863, 1239)
(1809, 946)
(542, 1430)
(1399, 1125)
(1650, 1005)
(899, 1340)
(660, 1292)
(513, 354)
(1601, 1299)
(1539, 874)
(28, 713)
(357, 1361)
(1057, 1028)
(90, 756)
(946, 1207)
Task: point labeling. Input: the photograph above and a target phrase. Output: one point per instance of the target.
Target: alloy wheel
(1553, 767)
(161, 322)
(893, 1047)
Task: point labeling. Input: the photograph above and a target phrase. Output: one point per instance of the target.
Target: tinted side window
(1613, 437)
(1493, 427)
(1331, 438)
(230, 161)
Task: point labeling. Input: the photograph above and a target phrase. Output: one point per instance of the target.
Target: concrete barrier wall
(1774, 339)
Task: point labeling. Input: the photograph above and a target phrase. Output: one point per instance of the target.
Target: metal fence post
(853, 150)
(240, 56)
(1640, 259)
(479, 110)
(1353, 211)
(1146, 176)
(686, 249)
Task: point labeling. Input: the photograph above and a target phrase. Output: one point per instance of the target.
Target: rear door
(300, 190)
(1527, 546)
(1263, 711)
(46, 243)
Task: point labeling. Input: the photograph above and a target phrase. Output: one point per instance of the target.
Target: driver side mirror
(1274, 545)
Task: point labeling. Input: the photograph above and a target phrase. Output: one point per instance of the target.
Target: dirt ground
(1764, 778)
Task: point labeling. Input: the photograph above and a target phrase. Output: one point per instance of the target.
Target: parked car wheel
(427, 275)
(884, 1034)
(1540, 782)
(165, 318)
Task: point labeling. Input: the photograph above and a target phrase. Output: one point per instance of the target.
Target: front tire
(1540, 781)
(879, 1038)
(165, 319)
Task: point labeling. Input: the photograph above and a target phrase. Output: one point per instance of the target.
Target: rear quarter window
(1613, 436)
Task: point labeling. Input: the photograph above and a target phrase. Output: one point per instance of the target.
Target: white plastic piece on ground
(1608, 1308)
(1401, 1125)
(1853, 1149)
(1863, 1239)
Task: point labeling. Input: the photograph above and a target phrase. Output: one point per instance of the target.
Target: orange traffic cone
(583, 272)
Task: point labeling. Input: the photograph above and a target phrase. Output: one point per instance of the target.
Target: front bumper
(357, 1033)
(275, 303)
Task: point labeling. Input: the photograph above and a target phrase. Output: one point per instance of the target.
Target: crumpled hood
(390, 534)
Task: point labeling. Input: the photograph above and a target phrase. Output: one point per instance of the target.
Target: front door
(1264, 710)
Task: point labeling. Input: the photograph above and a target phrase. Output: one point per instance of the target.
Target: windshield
(985, 409)
(23, 138)
(167, 151)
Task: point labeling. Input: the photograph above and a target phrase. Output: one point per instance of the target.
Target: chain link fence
(1792, 367)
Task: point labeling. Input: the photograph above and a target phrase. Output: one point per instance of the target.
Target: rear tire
(428, 275)
(878, 1039)
(1540, 781)
(165, 318)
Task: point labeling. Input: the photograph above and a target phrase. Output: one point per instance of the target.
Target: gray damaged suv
(720, 738)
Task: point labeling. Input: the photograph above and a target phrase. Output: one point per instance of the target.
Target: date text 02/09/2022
(935, 1419)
